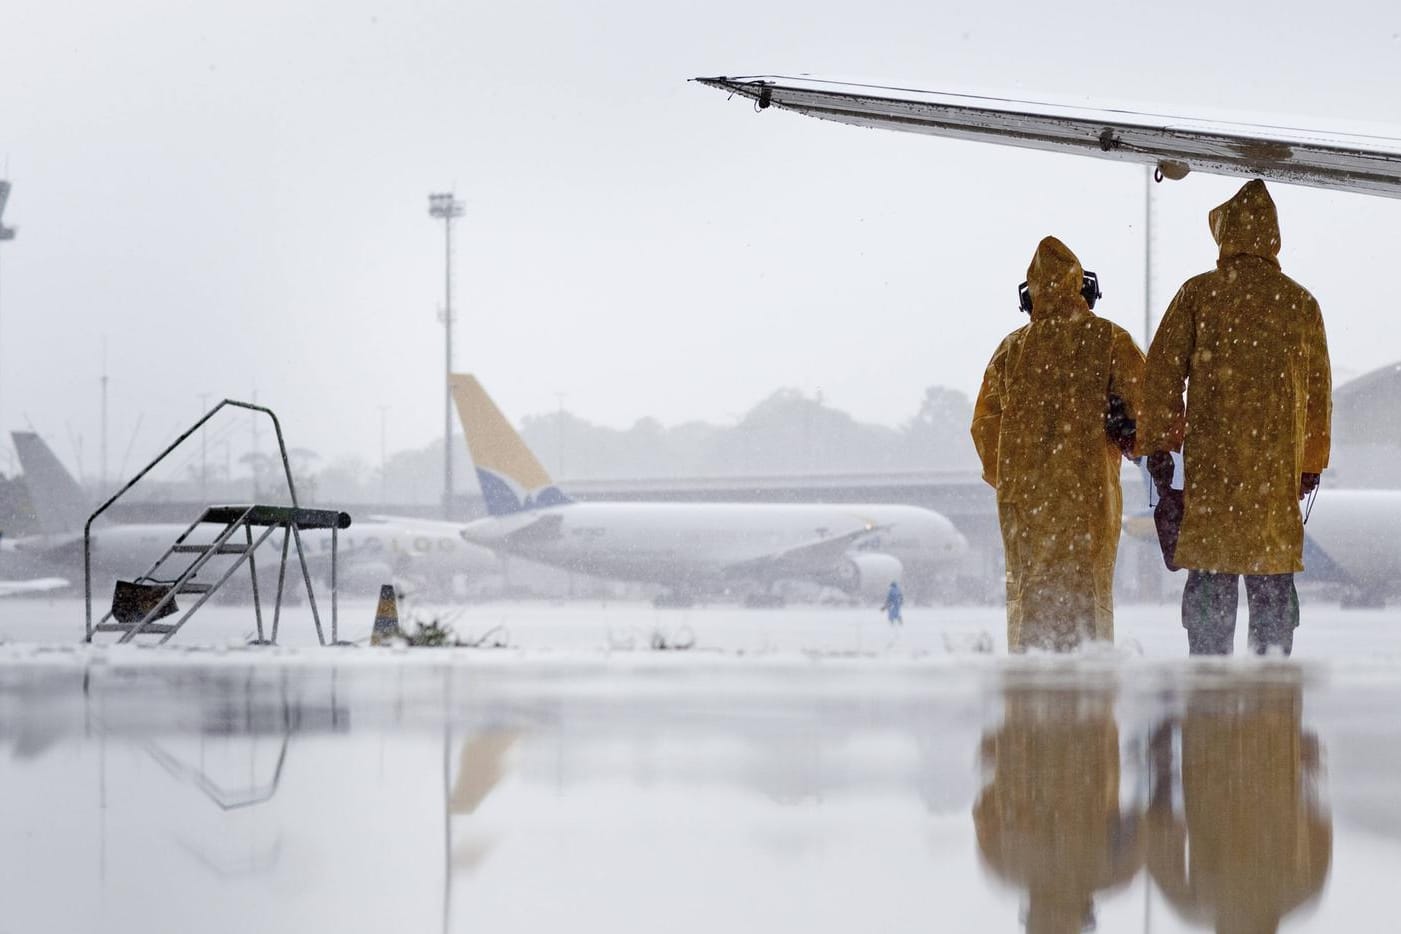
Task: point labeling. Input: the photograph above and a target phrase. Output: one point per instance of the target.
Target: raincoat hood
(1247, 225)
(1054, 278)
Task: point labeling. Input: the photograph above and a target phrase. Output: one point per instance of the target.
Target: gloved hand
(1308, 482)
(1161, 469)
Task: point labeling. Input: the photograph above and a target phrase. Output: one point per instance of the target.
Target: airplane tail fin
(6, 233)
(58, 501)
(511, 477)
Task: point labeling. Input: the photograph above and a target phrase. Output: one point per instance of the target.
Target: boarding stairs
(240, 532)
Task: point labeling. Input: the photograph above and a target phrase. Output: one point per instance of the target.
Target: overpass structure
(961, 495)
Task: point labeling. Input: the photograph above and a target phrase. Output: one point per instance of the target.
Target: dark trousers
(1209, 612)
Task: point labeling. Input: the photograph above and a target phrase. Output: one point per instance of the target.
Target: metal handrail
(87, 527)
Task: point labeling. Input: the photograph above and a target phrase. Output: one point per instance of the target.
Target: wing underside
(814, 557)
(1342, 162)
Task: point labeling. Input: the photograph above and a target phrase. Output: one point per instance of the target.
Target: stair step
(155, 629)
(205, 549)
(195, 587)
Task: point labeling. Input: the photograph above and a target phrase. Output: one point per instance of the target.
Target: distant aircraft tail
(511, 477)
(58, 501)
(6, 233)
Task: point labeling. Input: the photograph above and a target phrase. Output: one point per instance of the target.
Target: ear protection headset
(1089, 287)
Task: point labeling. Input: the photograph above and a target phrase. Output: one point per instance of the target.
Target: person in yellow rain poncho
(1249, 839)
(1247, 344)
(1040, 429)
(1049, 821)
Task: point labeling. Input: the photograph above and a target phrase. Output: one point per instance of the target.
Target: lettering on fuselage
(374, 544)
(878, 542)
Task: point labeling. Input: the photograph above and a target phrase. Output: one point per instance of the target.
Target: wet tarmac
(817, 776)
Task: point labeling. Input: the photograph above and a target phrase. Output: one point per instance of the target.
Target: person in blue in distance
(894, 599)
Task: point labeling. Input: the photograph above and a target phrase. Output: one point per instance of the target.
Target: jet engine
(868, 574)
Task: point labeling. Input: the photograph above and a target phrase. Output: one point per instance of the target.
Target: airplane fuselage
(1352, 536)
(704, 545)
(370, 550)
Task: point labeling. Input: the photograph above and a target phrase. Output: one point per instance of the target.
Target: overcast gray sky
(234, 194)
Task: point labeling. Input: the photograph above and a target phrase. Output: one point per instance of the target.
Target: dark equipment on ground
(133, 600)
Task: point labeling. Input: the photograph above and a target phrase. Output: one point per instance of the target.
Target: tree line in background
(787, 433)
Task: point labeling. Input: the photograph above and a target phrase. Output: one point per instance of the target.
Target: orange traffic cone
(386, 617)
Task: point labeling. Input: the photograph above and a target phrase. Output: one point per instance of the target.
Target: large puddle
(488, 791)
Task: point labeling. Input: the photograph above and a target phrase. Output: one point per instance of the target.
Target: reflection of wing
(1367, 164)
(38, 585)
(819, 555)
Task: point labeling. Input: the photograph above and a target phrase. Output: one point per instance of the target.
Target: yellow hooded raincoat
(1039, 429)
(1259, 403)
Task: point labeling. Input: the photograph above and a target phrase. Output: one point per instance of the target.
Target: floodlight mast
(6, 233)
(444, 206)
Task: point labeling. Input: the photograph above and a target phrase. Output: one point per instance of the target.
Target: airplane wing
(545, 528)
(37, 585)
(1342, 162)
(818, 555)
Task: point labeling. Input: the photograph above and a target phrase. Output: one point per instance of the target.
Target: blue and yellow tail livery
(511, 477)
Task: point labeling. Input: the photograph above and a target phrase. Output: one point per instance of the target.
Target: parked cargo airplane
(371, 552)
(691, 548)
(1349, 539)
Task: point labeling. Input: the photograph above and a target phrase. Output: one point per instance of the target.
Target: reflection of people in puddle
(1252, 842)
(1049, 821)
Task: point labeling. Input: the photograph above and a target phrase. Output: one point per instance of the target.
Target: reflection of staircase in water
(226, 798)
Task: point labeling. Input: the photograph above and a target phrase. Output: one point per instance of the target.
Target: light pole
(203, 453)
(102, 477)
(6, 233)
(444, 206)
(1148, 259)
(559, 436)
(383, 460)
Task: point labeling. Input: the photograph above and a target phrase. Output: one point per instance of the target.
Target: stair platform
(254, 515)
